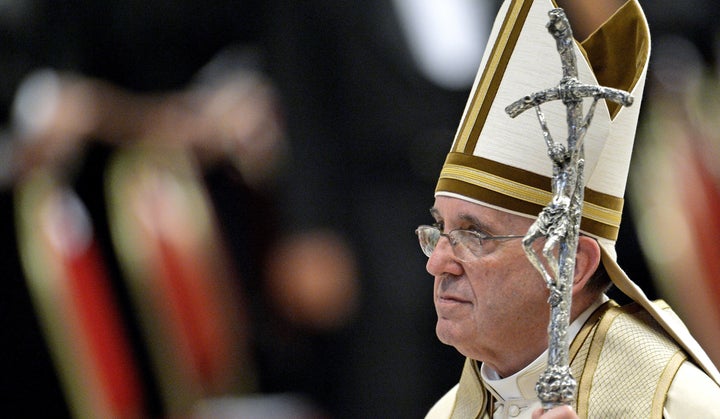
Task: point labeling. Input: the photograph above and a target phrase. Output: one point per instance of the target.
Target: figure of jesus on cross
(559, 222)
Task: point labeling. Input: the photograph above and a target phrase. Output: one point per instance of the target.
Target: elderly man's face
(493, 307)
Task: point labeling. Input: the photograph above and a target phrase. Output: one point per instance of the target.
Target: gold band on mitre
(524, 192)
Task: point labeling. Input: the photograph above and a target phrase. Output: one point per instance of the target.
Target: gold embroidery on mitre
(523, 191)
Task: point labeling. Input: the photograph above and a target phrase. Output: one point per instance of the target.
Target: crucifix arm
(607, 93)
(577, 92)
(534, 100)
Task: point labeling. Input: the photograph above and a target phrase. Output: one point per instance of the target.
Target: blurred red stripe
(101, 328)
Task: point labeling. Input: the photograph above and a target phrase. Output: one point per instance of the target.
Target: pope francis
(633, 361)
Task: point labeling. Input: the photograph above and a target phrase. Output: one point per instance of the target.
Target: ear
(586, 262)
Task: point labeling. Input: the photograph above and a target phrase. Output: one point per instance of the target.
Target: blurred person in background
(87, 78)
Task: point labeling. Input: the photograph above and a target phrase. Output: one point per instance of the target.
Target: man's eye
(439, 226)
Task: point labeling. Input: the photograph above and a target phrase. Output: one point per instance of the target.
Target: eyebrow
(435, 213)
(468, 218)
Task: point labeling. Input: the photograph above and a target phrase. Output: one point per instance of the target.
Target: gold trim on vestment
(588, 327)
(665, 381)
(472, 399)
(591, 363)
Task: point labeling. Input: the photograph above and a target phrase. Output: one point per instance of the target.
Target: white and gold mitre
(502, 162)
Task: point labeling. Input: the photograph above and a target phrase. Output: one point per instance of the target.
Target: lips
(446, 291)
(451, 299)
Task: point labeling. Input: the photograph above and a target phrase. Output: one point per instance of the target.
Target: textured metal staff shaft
(559, 222)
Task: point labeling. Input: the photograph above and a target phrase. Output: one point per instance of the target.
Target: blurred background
(208, 207)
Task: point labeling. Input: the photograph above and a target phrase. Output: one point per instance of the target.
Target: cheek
(530, 295)
(508, 285)
(488, 277)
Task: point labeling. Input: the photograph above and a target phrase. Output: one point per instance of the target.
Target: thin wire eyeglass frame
(429, 237)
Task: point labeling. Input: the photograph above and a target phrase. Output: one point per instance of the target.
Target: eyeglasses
(463, 242)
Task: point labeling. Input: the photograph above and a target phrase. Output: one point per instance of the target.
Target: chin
(447, 332)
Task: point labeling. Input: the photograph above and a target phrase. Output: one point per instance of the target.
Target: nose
(443, 259)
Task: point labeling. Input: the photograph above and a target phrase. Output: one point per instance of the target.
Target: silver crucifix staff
(559, 222)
